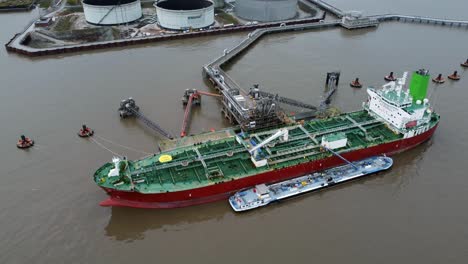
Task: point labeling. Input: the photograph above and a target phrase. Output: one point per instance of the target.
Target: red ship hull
(223, 190)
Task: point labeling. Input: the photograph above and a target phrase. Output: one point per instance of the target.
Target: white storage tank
(111, 12)
(182, 14)
(266, 10)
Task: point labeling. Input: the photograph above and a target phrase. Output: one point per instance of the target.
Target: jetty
(245, 107)
(421, 20)
(328, 7)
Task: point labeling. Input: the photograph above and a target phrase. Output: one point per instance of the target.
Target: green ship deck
(221, 156)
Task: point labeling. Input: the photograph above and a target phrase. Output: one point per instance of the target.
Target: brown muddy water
(49, 212)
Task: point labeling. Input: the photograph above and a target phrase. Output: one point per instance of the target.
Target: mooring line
(104, 147)
(122, 146)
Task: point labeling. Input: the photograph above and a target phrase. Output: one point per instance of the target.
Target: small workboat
(263, 194)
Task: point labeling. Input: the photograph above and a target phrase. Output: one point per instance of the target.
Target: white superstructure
(396, 107)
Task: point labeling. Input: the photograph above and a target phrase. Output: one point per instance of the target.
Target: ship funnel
(419, 83)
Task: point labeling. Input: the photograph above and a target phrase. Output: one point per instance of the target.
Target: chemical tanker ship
(212, 166)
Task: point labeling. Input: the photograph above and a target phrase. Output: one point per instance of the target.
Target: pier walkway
(243, 111)
(327, 7)
(421, 20)
(254, 36)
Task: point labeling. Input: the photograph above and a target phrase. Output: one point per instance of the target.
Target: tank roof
(108, 2)
(183, 4)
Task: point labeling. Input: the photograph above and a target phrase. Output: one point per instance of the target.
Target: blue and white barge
(262, 194)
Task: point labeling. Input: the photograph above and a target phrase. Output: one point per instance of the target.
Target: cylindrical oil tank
(111, 12)
(182, 14)
(266, 10)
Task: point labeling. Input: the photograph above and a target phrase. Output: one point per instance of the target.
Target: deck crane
(282, 133)
(129, 108)
(192, 97)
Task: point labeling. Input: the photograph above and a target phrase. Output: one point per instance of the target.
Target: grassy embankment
(45, 3)
(64, 23)
(226, 18)
(15, 3)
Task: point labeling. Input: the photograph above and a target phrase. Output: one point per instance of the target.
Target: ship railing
(185, 162)
(288, 152)
(223, 153)
(302, 155)
(338, 129)
(202, 160)
(308, 134)
(315, 135)
(356, 123)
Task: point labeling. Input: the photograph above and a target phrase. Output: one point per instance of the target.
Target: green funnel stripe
(418, 85)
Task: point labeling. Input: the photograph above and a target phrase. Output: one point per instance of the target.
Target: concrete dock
(347, 20)
(16, 44)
